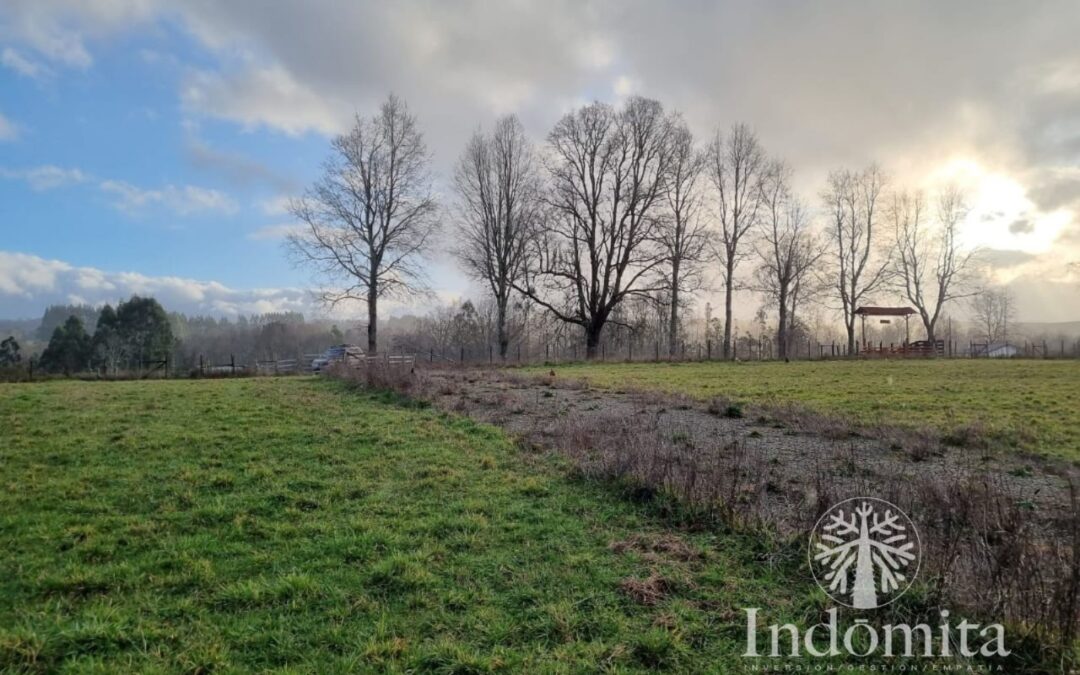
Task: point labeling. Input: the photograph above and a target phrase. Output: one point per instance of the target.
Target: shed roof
(884, 311)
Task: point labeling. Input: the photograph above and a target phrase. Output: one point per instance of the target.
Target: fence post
(629, 350)
(657, 350)
(708, 349)
(491, 354)
(547, 352)
(166, 366)
(431, 356)
(202, 367)
(31, 376)
(232, 363)
(462, 355)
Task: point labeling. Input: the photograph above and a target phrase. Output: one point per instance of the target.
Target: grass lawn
(1035, 404)
(291, 524)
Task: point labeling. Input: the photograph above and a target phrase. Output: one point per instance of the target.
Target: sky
(150, 146)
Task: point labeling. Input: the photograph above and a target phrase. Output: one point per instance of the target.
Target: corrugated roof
(884, 311)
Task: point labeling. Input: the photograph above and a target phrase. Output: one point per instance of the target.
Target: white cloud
(183, 200)
(26, 67)
(58, 30)
(264, 97)
(28, 279)
(275, 206)
(26, 275)
(8, 130)
(46, 177)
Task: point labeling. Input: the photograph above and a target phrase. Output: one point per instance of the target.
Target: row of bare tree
(621, 203)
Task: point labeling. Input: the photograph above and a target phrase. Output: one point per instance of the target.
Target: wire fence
(742, 349)
(560, 351)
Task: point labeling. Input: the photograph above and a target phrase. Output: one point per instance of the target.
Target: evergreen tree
(69, 348)
(56, 315)
(107, 345)
(9, 352)
(144, 329)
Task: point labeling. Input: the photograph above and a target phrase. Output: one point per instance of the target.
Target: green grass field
(190, 526)
(1032, 404)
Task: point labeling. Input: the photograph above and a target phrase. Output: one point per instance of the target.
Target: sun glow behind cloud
(1002, 216)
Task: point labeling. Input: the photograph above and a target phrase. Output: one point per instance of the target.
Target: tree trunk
(673, 321)
(372, 315)
(928, 324)
(728, 292)
(850, 326)
(782, 331)
(504, 338)
(592, 339)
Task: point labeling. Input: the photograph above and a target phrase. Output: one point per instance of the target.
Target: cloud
(1021, 226)
(184, 200)
(31, 282)
(1056, 187)
(26, 275)
(1001, 258)
(275, 206)
(8, 129)
(16, 62)
(824, 86)
(58, 30)
(263, 97)
(46, 177)
(131, 199)
(237, 169)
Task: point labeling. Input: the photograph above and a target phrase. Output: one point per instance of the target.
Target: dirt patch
(795, 461)
(658, 548)
(649, 591)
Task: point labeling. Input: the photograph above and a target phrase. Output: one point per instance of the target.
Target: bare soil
(792, 455)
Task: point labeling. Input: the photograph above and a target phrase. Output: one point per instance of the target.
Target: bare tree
(932, 267)
(609, 173)
(736, 167)
(860, 261)
(368, 219)
(993, 309)
(683, 236)
(499, 194)
(787, 250)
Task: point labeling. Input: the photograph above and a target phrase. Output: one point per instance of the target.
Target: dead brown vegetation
(989, 548)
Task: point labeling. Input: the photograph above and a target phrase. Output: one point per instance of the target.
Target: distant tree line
(136, 332)
(621, 207)
(139, 333)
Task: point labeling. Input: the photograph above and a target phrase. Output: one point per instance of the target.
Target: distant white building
(996, 350)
